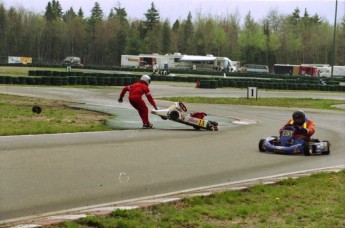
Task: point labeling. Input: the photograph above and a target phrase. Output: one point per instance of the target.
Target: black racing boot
(147, 126)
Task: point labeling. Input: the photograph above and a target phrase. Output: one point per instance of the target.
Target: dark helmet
(298, 117)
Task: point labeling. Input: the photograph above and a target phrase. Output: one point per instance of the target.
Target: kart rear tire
(261, 145)
(327, 152)
(174, 115)
(306, 149)
(197, 128)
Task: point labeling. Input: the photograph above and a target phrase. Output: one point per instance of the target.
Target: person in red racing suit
(307, 126)
(136, 91)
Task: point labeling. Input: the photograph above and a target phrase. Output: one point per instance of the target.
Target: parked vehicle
(254, 68)
(295, 70)
(72, 61)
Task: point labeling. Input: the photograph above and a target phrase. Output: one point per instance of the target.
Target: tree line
(100, 39)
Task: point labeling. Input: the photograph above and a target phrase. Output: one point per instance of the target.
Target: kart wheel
(306, 149)
(36, 109)
(328, 151)
(174, 115)
(261, 145)
(197, 128)
(313, 149)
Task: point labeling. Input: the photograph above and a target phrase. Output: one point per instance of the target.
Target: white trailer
(208, 62)
(179, 61)
(164, 62)
(338, 71)
(130, 61)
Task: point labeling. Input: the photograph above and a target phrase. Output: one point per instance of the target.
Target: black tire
(329, 148)
(306, 149)
(174, 115)
(197, 128)
(261, 144)
(313, 149)
(36, 109)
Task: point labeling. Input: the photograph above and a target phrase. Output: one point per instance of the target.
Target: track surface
(46, 173)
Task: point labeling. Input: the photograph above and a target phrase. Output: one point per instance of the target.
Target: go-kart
(291, 141)
(178, 113)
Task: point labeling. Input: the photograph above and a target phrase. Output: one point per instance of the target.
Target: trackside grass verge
(276, 102)
(17, 118)
(314, 201)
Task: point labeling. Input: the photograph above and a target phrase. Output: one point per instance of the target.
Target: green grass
(17, 118)
(277, 102)
(23, 71)
(315, 201)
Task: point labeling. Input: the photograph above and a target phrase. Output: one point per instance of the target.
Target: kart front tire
(327, 152)
(174, 115)
(261, 145)
(306, 149)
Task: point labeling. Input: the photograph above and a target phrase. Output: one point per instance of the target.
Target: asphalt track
(45, 173)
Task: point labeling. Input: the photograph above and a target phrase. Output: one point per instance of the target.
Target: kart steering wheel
(182, 106)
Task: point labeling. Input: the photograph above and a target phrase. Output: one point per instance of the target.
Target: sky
(179, 9)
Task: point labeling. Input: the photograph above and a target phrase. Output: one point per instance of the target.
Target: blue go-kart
(290, 142)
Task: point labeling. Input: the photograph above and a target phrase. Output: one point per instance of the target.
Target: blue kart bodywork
(289, 143)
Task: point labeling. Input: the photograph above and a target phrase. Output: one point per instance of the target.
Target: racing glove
(304, 131)
(120, 100)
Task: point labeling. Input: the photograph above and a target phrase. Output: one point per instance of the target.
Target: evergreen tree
(121, 14)
(49, 15)
(80, 13)
(69, 15)
(3, 29)
(57, 10)
(96, 14)
(340, 43)
(166, 37)
(53, 10)
(152, 17)
(186, 36)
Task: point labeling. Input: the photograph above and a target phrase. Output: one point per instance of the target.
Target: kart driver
(307, 126)
(136, 91)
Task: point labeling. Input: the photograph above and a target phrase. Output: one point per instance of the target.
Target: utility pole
(334, 32)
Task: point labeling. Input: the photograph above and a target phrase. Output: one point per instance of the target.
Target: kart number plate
(287, 133)
(201, 122)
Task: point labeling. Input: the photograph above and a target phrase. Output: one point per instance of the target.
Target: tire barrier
(275, 82)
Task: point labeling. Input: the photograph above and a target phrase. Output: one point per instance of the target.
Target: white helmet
(146, 78)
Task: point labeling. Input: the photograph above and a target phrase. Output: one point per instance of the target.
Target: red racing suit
(136, 91)
(308, 124)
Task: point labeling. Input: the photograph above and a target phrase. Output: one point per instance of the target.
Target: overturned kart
(178, 113)
(289, 143)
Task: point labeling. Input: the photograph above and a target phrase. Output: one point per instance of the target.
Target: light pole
(334, 32)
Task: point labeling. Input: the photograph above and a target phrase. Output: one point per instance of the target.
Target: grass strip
(273, 102)
(314, 201)
(17, 118)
